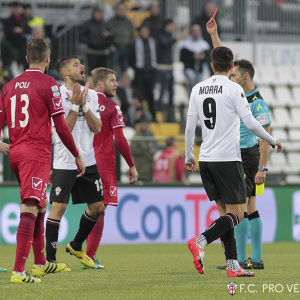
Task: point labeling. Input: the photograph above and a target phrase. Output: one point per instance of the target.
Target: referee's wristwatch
(262, 168)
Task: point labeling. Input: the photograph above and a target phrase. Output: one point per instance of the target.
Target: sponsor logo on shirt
(113, 190)
(57, 103)
(55, 91)
(37, 183)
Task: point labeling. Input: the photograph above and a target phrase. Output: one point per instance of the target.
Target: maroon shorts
(33, 178)
(110, 191)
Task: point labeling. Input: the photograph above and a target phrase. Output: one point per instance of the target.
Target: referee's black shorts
(84, 189)
(224, 180)
(250, 158)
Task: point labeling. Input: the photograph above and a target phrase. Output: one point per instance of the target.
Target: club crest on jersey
(88, 99)
(57, 103)
(54, 245)
(55, 91)
(57, 191)
(232, 288)
(37, 183)
(113, 190)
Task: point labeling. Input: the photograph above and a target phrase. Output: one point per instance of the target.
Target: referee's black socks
(85, 227)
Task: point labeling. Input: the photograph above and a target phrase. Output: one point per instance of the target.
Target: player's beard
(109, 94)
(78, 79)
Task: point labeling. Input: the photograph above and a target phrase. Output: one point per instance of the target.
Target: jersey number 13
(13, 99)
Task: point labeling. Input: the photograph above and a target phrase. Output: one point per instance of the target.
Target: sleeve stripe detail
(118, 126)
(58, 112)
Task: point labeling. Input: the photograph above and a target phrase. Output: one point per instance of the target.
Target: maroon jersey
(111, 116)
(28, 102)
(169, 167)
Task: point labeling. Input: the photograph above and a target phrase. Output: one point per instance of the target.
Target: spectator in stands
(125, 95)
(207, 13)
(122, 31)
(32, 20)
(7, 52)
(5, 75)
(194, 52)
(155, 20)
(95, 34)
(135, 110)
(165, 43)
(16, 30)
(143, 149)
(142, 58)
(169, 165)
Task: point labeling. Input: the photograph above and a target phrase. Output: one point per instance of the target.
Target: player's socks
(220, 226)
(52, 228)
(85, 227)
(241, 234)
(229, 244)
(39, 240)
(255, 226)
(24, 239)
(233, 264)
(94, 238)
(201, 241)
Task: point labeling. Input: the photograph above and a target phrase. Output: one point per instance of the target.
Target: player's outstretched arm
(254, 126)
(212, 29)
(4, 148)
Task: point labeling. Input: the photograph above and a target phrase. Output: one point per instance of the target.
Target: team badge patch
(57, 191)
(232, 288)
(37, 183)
(55, 91)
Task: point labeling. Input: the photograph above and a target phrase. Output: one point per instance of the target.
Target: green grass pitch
(158, 272)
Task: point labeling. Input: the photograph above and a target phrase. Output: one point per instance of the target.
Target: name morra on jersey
(219, 104)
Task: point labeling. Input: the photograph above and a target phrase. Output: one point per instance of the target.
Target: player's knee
(57, 210)
(96, 209)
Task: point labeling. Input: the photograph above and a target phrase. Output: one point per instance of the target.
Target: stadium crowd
(141, 52)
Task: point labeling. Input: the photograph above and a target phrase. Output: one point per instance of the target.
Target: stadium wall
(148, 215)
(267, 54)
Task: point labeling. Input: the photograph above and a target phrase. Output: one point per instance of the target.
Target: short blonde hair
(101, 74)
